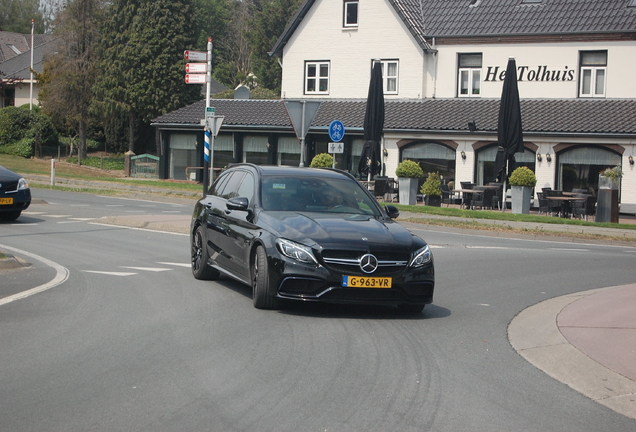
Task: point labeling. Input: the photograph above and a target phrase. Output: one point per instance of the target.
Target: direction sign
(195, 55)
(336, 130)
(336, 147)
(196, 68)
(195, 78)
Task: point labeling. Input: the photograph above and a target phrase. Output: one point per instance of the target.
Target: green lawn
(63, 170)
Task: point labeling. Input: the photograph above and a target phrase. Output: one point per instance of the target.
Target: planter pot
(408, 190)
(521, 199)
(607, 201)
(606, 183)
(433, 200)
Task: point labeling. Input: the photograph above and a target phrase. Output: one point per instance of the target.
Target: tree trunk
(131, 131)
(81, 148)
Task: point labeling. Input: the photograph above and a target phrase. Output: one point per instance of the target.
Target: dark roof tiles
(553, 116)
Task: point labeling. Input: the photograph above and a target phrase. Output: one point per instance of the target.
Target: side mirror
(238, 203)
(392, 211)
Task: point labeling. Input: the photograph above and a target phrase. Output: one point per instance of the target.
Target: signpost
(196, 68)
(336, 133)
(195, 79)
(301, 114)
(196, 55)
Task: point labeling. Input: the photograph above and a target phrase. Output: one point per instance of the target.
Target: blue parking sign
(336, 131)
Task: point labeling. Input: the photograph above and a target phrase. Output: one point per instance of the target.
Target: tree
(266, 25)
(16, 16)
(141, 59)
(69, 76)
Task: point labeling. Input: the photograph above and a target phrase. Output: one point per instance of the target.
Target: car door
(240, 230)
(216, 219)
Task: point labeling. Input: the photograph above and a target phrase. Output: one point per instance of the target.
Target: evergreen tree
(141, 60)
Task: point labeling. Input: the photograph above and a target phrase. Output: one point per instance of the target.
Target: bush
(322, 160)
(410, 169)
(523, 176)
(23, 148)
(108, 163)
(432, 185)
(20, 127)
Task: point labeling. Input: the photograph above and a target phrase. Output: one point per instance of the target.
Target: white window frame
(473, 79)
(345, 13)
(386, 79)
(318, 65)
(589, 77)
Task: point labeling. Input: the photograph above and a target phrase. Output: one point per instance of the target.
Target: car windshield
(310, 194)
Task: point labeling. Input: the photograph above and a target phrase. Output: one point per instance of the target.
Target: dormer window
(350, 14)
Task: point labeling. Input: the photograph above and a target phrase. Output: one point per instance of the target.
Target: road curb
(535, 335)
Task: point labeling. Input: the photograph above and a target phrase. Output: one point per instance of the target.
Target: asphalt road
(130, 341)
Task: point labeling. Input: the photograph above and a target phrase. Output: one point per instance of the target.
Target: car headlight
(22, 184)
(421, 257)
(296, 251)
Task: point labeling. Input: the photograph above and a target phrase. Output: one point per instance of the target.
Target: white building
(442, 65)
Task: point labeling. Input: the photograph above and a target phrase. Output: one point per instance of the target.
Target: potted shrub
(522, 181)
(322, 160)
(408, 173)
(431, 189)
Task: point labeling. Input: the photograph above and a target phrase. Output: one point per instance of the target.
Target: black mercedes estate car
(15, 194)
(308, 234)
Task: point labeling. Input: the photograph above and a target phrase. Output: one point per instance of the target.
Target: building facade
(443, 68)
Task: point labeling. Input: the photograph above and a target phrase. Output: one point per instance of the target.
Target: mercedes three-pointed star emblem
(368, 263)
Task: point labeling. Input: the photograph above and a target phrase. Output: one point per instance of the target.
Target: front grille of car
(348, 262)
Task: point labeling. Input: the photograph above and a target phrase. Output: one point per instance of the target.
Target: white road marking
(109, 273)
(150, 269)
(61, 275)
(32, 213)
(58, 216)
(69, 221)
(569, 249)
(114, 205)
(176, 264)
(83, 219)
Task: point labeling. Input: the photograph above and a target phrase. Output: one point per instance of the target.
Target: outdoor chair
(554, 206)
(448, 196)
(483, 198)
(543, 204)
(584, 209)
(381, 187)
(496, 198)
(466, 196)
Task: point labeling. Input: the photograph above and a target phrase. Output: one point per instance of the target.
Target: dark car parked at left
(308, 234)
(15, 194)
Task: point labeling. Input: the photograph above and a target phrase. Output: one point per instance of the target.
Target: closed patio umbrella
(370, 163)
(509, 129)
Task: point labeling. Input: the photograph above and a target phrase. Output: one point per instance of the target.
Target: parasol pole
(503, 193)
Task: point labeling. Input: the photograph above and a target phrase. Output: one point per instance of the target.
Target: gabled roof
(427, 19)
(20, 42)
(589, 117)
(19, 66)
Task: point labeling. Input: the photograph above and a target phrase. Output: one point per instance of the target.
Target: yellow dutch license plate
(6, 201)
(366, 282)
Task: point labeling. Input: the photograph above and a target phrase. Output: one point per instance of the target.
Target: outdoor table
(566, 202)
(470, 192)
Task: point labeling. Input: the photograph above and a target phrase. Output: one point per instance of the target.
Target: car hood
(8, 175)
(339, 231)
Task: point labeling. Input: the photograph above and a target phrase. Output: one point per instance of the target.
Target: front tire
(199, 254)
(261, 281)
